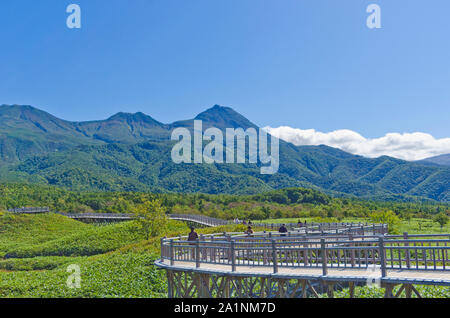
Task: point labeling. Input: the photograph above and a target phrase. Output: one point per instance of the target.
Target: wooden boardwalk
(422, 277)
(118, 217)
(296, 264)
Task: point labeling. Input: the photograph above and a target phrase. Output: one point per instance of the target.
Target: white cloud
(407, 146)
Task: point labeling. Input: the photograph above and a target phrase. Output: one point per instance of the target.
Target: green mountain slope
(443, 160)
(131, 152)
(26, 131)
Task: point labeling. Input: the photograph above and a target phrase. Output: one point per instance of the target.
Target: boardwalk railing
(416, 252)
(201, 219)
(29, 210)
(98, 216)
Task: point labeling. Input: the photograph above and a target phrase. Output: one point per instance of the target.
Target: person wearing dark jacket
(283, 230)
(192, 237)
(249, 231)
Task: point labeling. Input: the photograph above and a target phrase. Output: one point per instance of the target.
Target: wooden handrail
(309, 251)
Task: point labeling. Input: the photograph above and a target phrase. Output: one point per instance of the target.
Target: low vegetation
(116, 260)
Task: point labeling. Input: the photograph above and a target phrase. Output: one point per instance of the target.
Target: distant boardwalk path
(114, 217)
(200, 220)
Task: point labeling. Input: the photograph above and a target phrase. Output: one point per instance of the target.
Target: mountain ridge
(132, 152)
(443, 160)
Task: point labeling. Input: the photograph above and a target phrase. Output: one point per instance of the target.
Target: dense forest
(285, 203)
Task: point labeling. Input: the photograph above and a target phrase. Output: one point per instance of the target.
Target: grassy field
(115, 260)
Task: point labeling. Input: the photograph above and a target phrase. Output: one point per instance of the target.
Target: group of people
(237, 221)
(193, 236)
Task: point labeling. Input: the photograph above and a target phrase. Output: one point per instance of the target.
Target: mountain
(26, 131)
(132, 152)
(443, 160)
(124, 128)
(219, 117)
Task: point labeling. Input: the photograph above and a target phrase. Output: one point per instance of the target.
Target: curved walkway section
(374, 258)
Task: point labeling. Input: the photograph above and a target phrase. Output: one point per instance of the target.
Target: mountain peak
(31, 117)
(138, 117)
(21, 109)
(224, 117)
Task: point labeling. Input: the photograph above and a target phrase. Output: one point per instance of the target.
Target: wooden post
(213, 249)
(388, 291)
(162, 248)
(197, 253)
(274, 256)
(408, 290)
(352, 251)
(330, 290)
(305, 251)
(170, 284)
(265, 261)
(171, 253)
(229, 250)
(324, 257)
(408, 262)
(382, 256)
(233, 256)
(351, 286)
(203, 250)
(226, 292)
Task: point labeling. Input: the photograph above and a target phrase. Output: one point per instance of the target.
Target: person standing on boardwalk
(283, 230)
(249, 231)
(192, 237)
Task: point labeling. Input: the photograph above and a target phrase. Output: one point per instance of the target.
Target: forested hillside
(131, 152)
(285, 203)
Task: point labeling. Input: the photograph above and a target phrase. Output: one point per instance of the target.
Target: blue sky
(300, 63)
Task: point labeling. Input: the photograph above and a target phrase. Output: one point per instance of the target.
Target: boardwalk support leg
(388, 292)
(351, 286)
(330, 289)
(408, 290)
